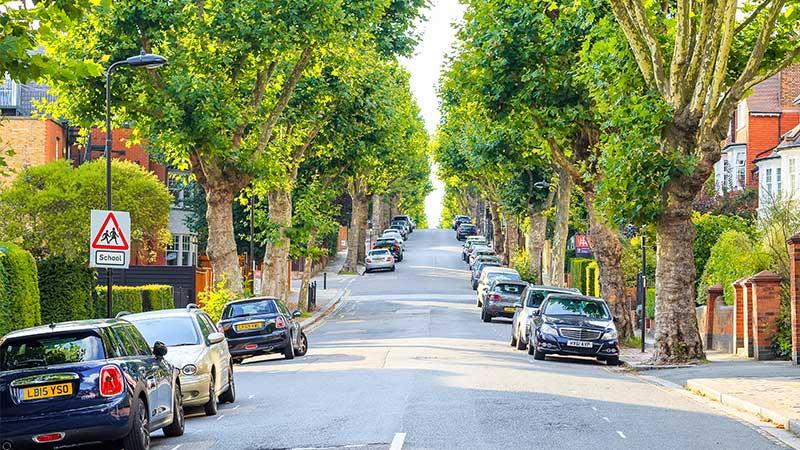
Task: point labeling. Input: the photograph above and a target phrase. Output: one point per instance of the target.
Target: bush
(592, 279)
(123, 298)
(732, 257)
(65, 288)
(213, 301)
(156, 296)
(577, 270)
(708, 228)
(522, 264)
(19, 289)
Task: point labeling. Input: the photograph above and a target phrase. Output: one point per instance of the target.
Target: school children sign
(109, 247)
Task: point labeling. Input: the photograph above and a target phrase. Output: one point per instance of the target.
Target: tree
(696, 61)
(46, 208)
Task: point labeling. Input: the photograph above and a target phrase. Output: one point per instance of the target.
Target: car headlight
(189, 369)
(548, 329)
(610, 333)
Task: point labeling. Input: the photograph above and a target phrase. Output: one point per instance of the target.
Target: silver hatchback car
(197, 348)
(379, 259)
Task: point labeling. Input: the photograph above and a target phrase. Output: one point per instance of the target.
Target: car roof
(381, 250)
(507, 281)
(501, 269)
(162, 313)
(242, 300)
(555, 289)
(77, 325)
(576, 297)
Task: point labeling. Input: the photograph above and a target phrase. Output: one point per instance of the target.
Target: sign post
(108, 244)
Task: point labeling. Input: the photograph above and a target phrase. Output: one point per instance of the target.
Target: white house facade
(779, 172)
(730, 172)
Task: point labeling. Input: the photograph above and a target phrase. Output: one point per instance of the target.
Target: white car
(490, 274)
(392, 233)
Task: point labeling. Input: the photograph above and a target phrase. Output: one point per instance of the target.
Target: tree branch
(262, 80)
(635, 40)
(752, 16)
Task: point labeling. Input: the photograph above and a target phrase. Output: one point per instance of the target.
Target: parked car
(391, 232)
(407, 219)
(568, 324)
(475, 273)
(501, 297)
(530, 300)
(464, 230)
(392, 245)
(488, 275)
(473, 248)
(401, 223)
(197, 348)
(262, 325)
(394, 237)
(401, 228)
(458, 220)
(86, 381)
(379, 259)
(478, 252)
(469, 243)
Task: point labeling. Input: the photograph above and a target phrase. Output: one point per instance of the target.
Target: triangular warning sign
(110, 236)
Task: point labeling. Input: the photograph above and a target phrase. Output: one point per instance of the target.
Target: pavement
(331, 288)
(404, 362)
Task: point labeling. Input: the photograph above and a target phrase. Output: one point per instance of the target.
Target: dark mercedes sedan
(263, 325)
(574, 325)
(86, 381)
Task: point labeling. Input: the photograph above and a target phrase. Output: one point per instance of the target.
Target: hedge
(577, 270)
(19, 289)
(651, 303)
(124, 298)
(65, 288)
(592, 279)
(156, 296)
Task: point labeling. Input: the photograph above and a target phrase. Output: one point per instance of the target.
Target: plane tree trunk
(358, 220)
(561, 229)
(275, 270)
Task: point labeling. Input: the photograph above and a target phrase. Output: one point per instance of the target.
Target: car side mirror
(537, 312)
(159, 349)
(215, 338)
(296, 313)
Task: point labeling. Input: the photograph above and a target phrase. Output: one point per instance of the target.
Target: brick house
(36, 141)
(757, 127)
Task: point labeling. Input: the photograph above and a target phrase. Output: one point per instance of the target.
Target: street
(405, 362)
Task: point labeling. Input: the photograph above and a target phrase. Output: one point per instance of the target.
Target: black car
(392, 246)
(573, 325)
(407, 220)
(86, 381)
(458, 220)
(262, 325)
(464, 230)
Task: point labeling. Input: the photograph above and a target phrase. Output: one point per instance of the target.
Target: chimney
(790, 85)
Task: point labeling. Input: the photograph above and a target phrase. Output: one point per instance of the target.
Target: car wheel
(531, 346)
(392, 269)
(139, 437)
(612, 361)
(537, 355)
(178, 419)
(211, 407)
(229, 396)
(288, 351)
(486, 317)
(514, 339)
(302, 349)
(520, 343)
(474, 286)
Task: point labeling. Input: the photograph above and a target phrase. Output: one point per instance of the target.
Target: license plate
(583, 344)
(249, 326)
(509, 309)
(47, 391)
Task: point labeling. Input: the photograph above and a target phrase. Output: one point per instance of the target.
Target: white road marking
(176, 447)
(250, 397)
(594, 409)
(237, 406)
(607, 419)
(398, 441)
(621, 434)
(220, 417)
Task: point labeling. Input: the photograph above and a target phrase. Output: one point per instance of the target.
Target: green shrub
(592, 279)
(732, 257)
(651, 303)
(708, 228)
(19, 297)
(522, 264)
(213, 301)
(577, 270)
(65, 288)
(123, 298)
(156, 296)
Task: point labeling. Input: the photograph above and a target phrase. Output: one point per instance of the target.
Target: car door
(162, 375)
(142, 367)
(218, 352)
(293, 324)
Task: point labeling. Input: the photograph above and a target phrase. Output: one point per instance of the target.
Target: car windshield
(481, 265)
(46, 350)
(507, 275)
(378, 252)
(249, 308)
(507, 288)
(592, 309)
(384, 242)
(173, 331)
(467, 227)
(536, 297)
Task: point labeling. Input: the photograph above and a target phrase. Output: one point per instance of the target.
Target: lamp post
(148, 61)
(641, 283)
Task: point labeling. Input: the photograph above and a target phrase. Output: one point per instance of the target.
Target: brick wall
(123, 148)
(762, 134)
(790, 84)
(33, 142)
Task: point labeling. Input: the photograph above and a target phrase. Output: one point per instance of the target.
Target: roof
(500, 270)
(766, 97)
(507, 281)
(241, 300)
(556, 289)
(176, 312)
(77, 325)
(789, 140)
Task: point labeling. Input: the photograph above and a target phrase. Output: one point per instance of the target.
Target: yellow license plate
(249, 326)
(509, 309)
(47, 391)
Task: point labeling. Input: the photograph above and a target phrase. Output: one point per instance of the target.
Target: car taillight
(494, 298)
(111, 383)
(388, 259)
(50, 437)
(280, 322)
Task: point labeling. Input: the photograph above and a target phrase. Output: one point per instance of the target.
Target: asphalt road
(407, 360)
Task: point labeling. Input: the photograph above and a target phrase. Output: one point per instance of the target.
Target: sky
(437, 37)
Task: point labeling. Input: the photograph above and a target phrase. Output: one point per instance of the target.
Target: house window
(740, 170)
(741, 114)
(182, 251)
(777, 181)
(768, 182)
(792, 174)
(726, 174)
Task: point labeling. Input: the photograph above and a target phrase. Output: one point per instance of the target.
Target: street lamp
(147, 61)
(641, 284)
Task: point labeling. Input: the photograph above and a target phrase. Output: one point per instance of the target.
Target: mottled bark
(275, 270)
(512, 239)
(221, 247)
(560, 229)
(381, 213)
(356, 234)
(497, 230)
(308, 267)
(535, 242)
(607, 250)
